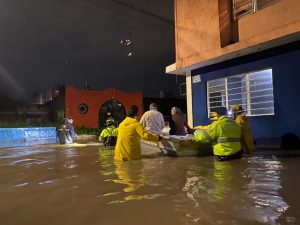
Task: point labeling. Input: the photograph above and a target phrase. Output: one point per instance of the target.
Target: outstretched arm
(144, 134)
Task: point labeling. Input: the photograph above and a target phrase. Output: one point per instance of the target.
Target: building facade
(240, 52)
(91, 108)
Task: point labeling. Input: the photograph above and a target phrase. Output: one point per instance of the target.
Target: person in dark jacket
(178, 124)
(70, 127)
(64, 135)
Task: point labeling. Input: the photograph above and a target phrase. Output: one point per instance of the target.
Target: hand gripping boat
(177, 146)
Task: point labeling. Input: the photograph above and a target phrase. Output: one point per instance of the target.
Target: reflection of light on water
(108, 194)
(47, 182)
(137, 197)
(71, 177)
(19, 152)
(263, 189)
(212, 187)
(105, 160)
(70, 164)
(71, 152)
(192, 186)
(22, 184)
(130, 174)
(242, 192)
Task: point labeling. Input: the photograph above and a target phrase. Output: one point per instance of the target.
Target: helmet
(213, 116)
(110, 121)
(236, 109)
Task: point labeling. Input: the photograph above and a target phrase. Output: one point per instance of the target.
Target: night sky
(47, 42)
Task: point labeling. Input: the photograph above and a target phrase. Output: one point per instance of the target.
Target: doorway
(114, 109)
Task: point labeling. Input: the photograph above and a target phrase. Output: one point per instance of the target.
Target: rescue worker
(153, 120)
(213, 116)
(129, 135)
(242, 120)
(109, 135)
(225, 136)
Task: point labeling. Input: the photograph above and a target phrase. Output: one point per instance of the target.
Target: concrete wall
(27, 136)
(197, 29)
(201, 31)
(286, 79)
(94, 101)
(274, 20)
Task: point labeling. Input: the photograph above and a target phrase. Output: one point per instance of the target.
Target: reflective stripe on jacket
(128, 142)
(109, 131)
(225, 135)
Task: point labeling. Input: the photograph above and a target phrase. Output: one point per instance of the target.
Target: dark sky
(44, 42)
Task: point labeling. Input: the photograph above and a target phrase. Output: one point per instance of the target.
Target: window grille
(243, 8)
(253, 91)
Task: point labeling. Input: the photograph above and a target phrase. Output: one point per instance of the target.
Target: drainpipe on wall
(189, 98)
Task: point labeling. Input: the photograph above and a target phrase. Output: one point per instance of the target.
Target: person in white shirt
(153, 120)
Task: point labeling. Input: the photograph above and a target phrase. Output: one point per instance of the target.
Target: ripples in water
(86, 182)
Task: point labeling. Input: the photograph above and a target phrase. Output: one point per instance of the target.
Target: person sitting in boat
(109, 135)
(178, 124)
(153, 120)
(225, 136)
(129, 136)
(242, 120)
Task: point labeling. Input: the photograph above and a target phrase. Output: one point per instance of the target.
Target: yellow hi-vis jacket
(225, 135)
(206, 127)
(247, 139)
(129, 136)
(109, 131)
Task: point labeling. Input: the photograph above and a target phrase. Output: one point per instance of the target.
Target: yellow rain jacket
(247, 139)
(225, 135)
(129, 136)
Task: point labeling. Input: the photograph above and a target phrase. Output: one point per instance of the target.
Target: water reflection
(106, 163)
(247, 190)
(212, 186)
(263, 189)
(82, 184)
(130, 174)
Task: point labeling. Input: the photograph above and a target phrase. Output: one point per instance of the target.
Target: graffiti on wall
(26, 134)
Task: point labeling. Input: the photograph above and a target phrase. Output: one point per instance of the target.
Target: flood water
(81, 184)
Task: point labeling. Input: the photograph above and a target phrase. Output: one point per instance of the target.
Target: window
(243, 8)
(253, 91)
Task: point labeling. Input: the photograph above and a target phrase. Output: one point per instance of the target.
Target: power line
(148, 13)
(90, 5)
(129, 6)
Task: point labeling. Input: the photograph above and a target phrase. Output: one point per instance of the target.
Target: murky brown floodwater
(70, 185)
